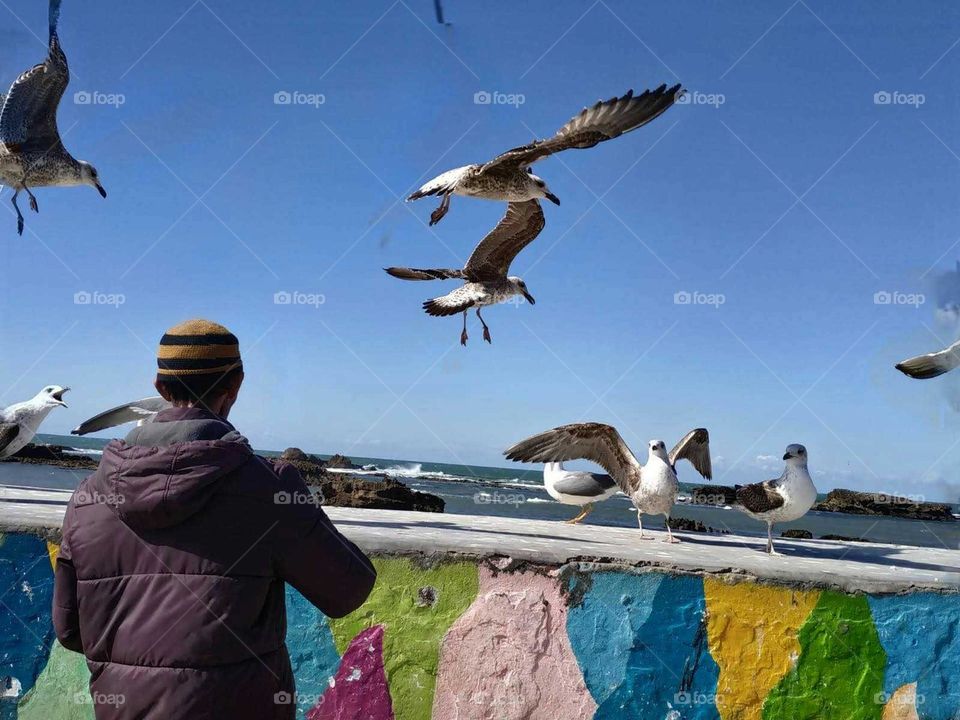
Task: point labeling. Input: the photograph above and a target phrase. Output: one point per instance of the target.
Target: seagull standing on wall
(20, 422)
(31, 152)
(508, 176)
(652, 487)
(487, 282)
(786, 498)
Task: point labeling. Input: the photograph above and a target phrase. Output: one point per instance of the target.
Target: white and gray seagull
(508, 176)
(138, 411)
(652, 487)
(577, 487)
(31, 152)
(786, 498)
(931, 365)
(20, 422)
(487, 282)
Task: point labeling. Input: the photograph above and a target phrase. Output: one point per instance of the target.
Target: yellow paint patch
(902, 705)
(53, 550)
(752, 631)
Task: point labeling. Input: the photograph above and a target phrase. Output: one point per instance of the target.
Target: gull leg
(670, 537)
(640, 523)
(586, 511)
(463, 335)
(486, 330)
(33, 200)
(19, 214)
(437, 215)
(770, 550)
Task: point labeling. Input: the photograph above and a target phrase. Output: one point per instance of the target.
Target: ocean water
(518, 493)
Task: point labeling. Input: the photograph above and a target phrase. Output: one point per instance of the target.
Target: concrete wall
(503, 640)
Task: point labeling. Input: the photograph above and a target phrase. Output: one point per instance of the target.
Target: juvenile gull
(508, 176)
(786, 498)
(931, 365)
(652, 487)
(31, 153)
(486, 269)
(138, 411)
(580, 488)
(20, 422)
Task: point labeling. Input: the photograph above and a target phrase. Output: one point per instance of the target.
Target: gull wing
(8, 433)
(931, 365)
(591, 441)
(29, 114)
(695, 447)
(491, 259)
(760, 497)
(603, 121)
(584, 484)
(131, 412)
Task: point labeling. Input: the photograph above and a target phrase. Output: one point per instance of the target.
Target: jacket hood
(167, 470)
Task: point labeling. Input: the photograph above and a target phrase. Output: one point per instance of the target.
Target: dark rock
(799, 533)
(680, 523)
(714, 495)
(845, 538)
(861, 503)
(57, 455)
(341, 462)
(292, 453)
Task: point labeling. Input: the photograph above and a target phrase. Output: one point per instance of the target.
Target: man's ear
(233, 388)
(162, 389)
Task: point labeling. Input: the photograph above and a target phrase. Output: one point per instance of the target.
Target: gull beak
(58, 396)
(529, 298)
(787, 456)
(552, 198)
(99, 187)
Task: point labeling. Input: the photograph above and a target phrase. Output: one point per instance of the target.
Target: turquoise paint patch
(920, 634)
(641, 643)
(313, 654)
(26, 595)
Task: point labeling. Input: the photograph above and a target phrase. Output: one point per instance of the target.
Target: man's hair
(198, 389)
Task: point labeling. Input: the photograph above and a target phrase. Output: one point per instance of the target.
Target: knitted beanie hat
(197, 347)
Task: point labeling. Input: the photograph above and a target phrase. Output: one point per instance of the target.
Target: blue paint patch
(921, 635)
(641, 643)
(313, 654)
(26, 597)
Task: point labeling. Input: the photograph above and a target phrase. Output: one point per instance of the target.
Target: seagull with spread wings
(487, 282)
(138, 411)
(31, 152)
(20, 422)
(508, 176)
(931, 365)
(652, 487)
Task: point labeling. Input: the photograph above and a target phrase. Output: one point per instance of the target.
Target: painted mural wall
(502, 641)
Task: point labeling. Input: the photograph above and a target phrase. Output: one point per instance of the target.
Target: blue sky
(784, 188)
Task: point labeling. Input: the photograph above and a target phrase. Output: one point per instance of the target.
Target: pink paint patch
(508, 657)
(359, 690)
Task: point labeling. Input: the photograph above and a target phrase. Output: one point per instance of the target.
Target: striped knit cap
(197, 347)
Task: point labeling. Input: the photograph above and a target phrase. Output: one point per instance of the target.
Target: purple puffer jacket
(171, 573)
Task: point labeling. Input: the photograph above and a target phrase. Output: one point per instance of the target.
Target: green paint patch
(416, 606)
(839, 673)
(62, 689)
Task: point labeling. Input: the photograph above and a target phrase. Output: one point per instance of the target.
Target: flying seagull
(508, 176)
(485, 273)
(931, 365)
(580, 488)
(31, 152)
(652, 487)
(20, 422)
(138, 411)
(787, 498)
